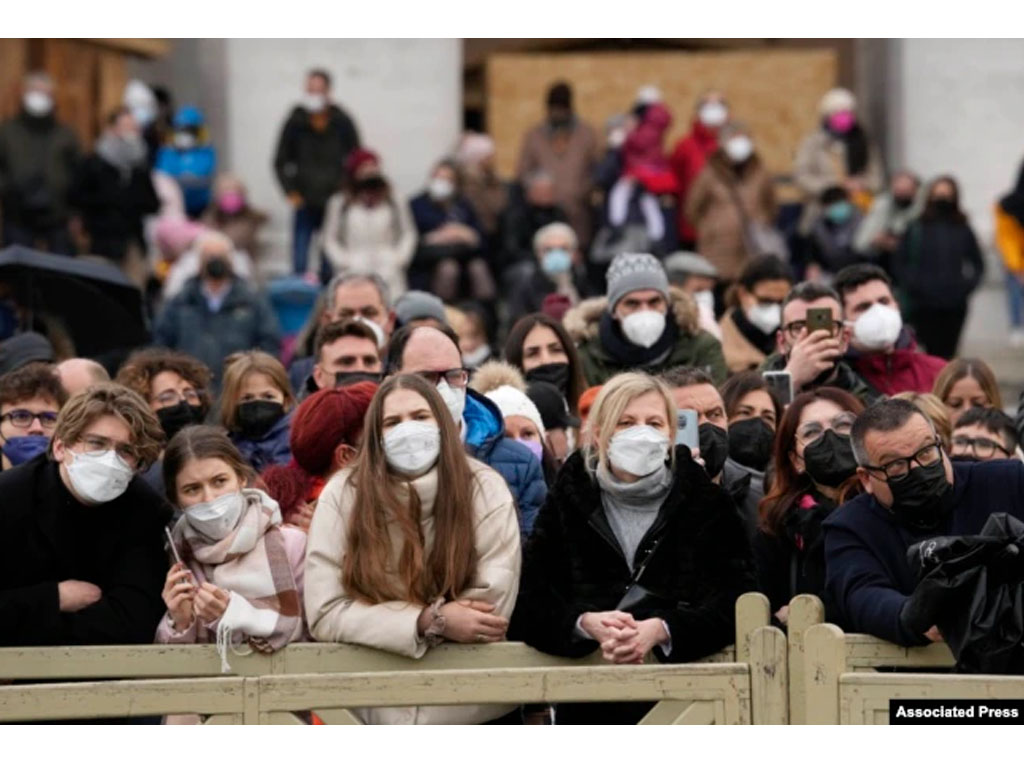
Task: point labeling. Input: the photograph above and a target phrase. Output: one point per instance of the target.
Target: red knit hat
(357, 159)
(586, 401)
(327, 419)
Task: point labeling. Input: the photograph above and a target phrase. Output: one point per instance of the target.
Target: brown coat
(740, 354)
(711, 206)
(570, 159)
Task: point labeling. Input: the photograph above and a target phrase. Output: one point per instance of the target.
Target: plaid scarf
(250, 563)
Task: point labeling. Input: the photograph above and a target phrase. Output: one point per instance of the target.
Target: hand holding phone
(687, 430)
(187, 575)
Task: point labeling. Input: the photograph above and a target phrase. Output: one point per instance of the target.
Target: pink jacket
(644, 146)
(295, 546)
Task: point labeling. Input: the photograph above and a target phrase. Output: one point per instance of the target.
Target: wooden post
(824, 666)
(769, 681)
(752, 611)
(804, 612)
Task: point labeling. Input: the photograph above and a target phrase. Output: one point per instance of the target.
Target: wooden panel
(138, 46)
(111, 78)
(776, 92)
(864, 698)
(752, 612)
(769, 678)
(824, 664)
(804, 612)
(864, 652)
(13, 65)
(72, 65)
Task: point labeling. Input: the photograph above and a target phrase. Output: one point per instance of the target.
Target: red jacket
(905, 369)
(687, 162)
(644, 148)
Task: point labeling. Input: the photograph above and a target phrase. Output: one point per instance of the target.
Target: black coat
(312, 162)
(113, 205)
(939, 264)
(573, 564)
(47, 536)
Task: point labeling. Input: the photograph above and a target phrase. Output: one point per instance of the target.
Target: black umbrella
(98, 307)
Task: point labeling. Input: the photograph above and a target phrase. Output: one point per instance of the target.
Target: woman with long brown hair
(814, 469)
(413, 543)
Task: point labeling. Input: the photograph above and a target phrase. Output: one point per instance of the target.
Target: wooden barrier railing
(838, 691)
(744, 683)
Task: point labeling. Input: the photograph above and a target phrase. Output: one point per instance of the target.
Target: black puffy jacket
(573, 564)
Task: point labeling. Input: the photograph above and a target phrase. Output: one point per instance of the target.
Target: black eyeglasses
(23, 419)
(897, 469)
(797, 327)
(981, 447)
(456, 377)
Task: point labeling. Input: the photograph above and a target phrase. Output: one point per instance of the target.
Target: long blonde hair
(614, 398)
(452, 560)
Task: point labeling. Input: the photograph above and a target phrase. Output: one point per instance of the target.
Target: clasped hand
(623, 639)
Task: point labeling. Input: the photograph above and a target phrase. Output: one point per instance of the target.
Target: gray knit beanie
(417, 305)
(634, 272)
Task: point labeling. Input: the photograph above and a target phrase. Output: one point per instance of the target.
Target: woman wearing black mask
(366, 228)
(540, 347)
(938, 266)
(754, 413)
(177, 388)
(814, 469)
(256, 408)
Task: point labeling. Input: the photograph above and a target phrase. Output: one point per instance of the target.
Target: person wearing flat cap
(695, 275)
(643, 324)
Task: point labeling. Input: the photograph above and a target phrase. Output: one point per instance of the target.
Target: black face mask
(256, 417)
(343, 378)
(714, 448)
(902, 203)
(556, 374)
(175, 418)
(217, 269)
(750, 443)
(923, 499)
(943, 207)
(829, 459)
(370, 184)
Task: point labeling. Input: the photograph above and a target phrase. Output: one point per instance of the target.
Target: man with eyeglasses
(984, 434)
(913, 492)
(30, 399)
(434, 354)
(815, 358)
(82, 560)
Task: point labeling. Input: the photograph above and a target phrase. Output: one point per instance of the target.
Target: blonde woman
(413, 544)
(256, 408)
(635, 550)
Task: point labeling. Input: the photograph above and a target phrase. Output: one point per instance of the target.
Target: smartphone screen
(781, 383)
(820, 319)
(687, 433)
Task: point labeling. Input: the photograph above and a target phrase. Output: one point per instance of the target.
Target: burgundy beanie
(327, 419)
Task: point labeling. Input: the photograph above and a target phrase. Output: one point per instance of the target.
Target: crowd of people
(511, 414)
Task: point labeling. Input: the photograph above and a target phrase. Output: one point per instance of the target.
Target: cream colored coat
(336, 617)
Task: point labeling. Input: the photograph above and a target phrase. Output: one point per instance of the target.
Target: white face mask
(705, 300)
(98, 479)
(184, 140)
(377, 330)
(713, 114)
(475, 358)
(454, 400)
(143, 115)
(638, 450)
(217, 518)
(440, 189)
(412, 447)
(37, 103)
(643, 328)
(765, 317)
(878, 328)
(314, 102)
(739, 149)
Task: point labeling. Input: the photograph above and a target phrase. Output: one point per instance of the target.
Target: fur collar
(581, 321)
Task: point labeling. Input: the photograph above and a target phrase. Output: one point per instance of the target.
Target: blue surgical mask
(840, 212)
(18, 450)
(557, 261)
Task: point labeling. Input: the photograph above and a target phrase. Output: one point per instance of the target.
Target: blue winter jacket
(486, 442)
(271, 449)
(194, 170)
(867, 575)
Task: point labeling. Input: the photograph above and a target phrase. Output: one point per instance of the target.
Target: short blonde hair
(237, 368)
(614, 398)
(111, 399)
(932, 407)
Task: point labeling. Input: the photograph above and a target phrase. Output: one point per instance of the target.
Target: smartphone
(781, 383)
(174, 552)
(820, 319)
(687, 433)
